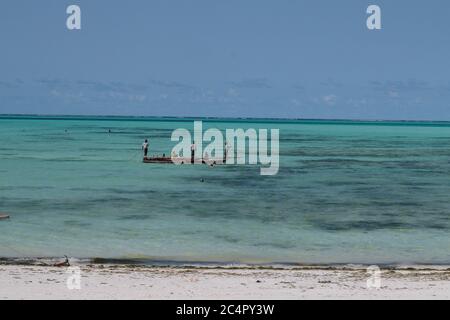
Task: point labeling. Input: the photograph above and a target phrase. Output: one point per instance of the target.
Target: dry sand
(128, 282)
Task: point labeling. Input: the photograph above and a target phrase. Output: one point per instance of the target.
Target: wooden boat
(157, 160)
(168, 160)
(3, 216)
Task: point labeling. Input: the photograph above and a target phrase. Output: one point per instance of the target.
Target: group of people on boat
(146, 145)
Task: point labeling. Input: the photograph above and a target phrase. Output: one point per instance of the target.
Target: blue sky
(252, 58)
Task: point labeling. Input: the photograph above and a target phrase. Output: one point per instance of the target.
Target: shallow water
(346, 192)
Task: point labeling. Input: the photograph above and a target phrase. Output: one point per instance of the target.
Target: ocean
(349, 192)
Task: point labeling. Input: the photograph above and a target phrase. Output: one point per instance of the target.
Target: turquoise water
(346, 192)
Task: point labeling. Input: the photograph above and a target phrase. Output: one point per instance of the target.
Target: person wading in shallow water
(193, 147)
(145, 148)
(225, 152)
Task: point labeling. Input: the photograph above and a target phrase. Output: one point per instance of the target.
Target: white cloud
(329, 99)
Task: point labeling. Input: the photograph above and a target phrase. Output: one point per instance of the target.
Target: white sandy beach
(125, 282)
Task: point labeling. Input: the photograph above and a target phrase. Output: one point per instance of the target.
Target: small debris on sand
(63, 264)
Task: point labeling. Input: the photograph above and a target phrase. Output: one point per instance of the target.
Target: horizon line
(25, 115)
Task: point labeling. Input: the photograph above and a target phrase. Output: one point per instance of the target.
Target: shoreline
(119, 281)
(162, 263)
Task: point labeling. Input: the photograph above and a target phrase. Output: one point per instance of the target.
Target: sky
(227, 58)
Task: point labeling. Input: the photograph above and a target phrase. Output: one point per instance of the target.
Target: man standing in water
(193, 148)
(225, 152)
(145, 148)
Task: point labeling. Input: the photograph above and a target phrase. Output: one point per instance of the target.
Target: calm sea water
(346, 192)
